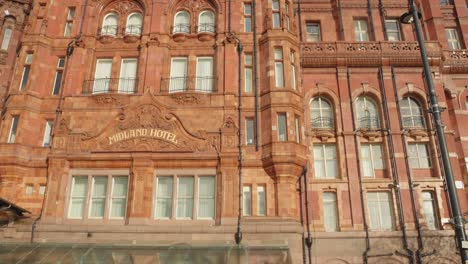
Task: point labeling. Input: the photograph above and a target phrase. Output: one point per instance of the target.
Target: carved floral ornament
(194, 6)
(122, 7)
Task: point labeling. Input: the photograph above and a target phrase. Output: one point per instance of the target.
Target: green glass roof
(42, 253)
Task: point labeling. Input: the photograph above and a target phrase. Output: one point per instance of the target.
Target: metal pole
(435, 110)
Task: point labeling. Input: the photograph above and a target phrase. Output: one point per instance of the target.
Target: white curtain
(319, 161)
(102, 75)
(429, 211)
(128, 72)
(47, 131)
(178, 75)
(204, 74)
(206, 196)
(78, 196)
(134, 24)
(330, 212)
(98, 198)
(261, 201)
(164, 197)
(247, 195)
(368, 171)
(185, 197)
(119, 196)
(109, 26)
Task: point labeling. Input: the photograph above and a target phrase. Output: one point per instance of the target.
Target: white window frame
(127, 84)
(453, 38)
(248, 17)
(279, 67)
(27, 66)
(418, 151)
(245, 202)
(282, 135)
(47, 133)
(112, 197)
(106, 81)
(113, 27)
(7, 35)
(396, 32)
(293, 70)
(60, 68)
(158, 196)
(248, 140)
(200, 196)
(174, 84)
(69, 21)
(205, 83)
(412, 109)
(324, 110)
(29, 189)
(324, 160)
(261, 189)
(372, 159)
(178, 23)
(434, 212)
(330, 202)
(248, 68)
(313, 36)
(381, 201)
(92, 196)
(13, 130)
(207, 28)
(129, 30)
(276, 14)
(361, 33)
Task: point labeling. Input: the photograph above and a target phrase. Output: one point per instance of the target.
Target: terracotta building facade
(185, 122)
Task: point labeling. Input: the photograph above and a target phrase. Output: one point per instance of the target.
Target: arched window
(411, 113)
(110, 24)
(367, 114)
(134, 24)
(321, 114)
(181, 22)
(206, 22)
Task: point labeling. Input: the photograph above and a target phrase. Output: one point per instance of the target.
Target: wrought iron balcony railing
(134, 30)
(111, 85)
(205, 84)
(181, 28)
(322, 123)
(108, 30)
(206, 27)
(414, 122)
(369, 123)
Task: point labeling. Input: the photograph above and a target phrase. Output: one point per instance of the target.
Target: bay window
(13, 129)
(279, 70)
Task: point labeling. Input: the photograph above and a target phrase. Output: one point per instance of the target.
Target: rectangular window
(205, 78)
(128, 75)
(360, 30)
(261, 201)
(293, 69)
(178, 82)
(58, 76)
(26, 71)
(286, 17)
(250, 131)
(29, 189)
(247, 17)
(206, 197)
(276, 14)
(185, 197)
(279, 71)
(297, 129)
(325, 161)
(445, 2)
(452, 38)
(419, 157)
(330, 215)
(42, 189)
(13, 129)
(247, 195)
(119, 197)
(248, 73)
(102, 76)
(313, 33)
(372, 159)
(47, 133)
(69, 22)
(6, 38)
(429, 209)
(98, 197)
(380, 210)
(164, 197)
(393, 29)
(78, 196)
(192, 197)
(282, 127)
(107, 197)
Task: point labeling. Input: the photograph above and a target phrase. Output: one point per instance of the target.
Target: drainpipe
(340, 17)
(300, 19)
(254, 21)
(411, 184)
(382, 17)
(371, 18)
(308, 240)
(396, 181)
(361, 186)
(301, 211)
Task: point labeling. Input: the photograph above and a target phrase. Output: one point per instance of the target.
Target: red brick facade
(151, 129)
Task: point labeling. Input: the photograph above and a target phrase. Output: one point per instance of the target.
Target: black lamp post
(413, 16)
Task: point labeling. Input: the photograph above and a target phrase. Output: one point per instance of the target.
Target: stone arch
(142, 4)
(327, 94)
(409, 88)
(215, 6)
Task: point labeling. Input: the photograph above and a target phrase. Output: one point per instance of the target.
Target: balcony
(414, 123)
(111, 85)
(369, 123)
(322, 123)
(367, 54)
(185, 84)
(455, 61)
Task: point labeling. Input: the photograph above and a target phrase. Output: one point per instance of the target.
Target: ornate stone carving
(187, 99)
(195, 5)
(110, 99)
(229, 123)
